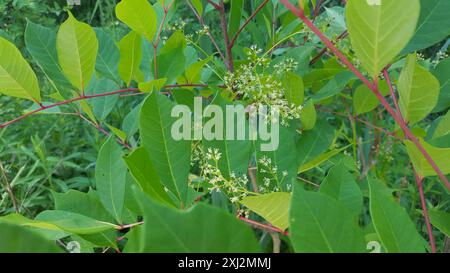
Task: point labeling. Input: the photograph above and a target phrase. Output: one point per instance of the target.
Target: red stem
(213, 41)
(226, 38)
(84, 97)
(233, 41)
(392, 91)
(263, 226)
(373, 87)
(419, 181)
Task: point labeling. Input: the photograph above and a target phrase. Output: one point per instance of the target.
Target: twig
(213, 41)
(226, 38)
(419, 181)
(233, 41)
(263, 226)
(323, 51)
(9, 189)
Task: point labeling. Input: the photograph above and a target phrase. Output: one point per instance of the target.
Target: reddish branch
(233, 41)
(419, 181)
(226, 38)
(373, 87)
(202, 22)
(323, 51)
(263, 226)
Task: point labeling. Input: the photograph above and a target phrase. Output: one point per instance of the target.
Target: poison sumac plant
(352, 96)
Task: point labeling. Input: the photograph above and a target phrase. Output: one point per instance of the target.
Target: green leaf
(110, 174)
(153, 85)
(319, 223)
(170, 158)
(41, 43)
(144, 173)
(309, 116)
(17, 239)
(108, 55)
(379, 32)
(440, 155)
(273, 207)
(171, 58)
(443, 127)
(294, 91)
(102, 106)
(397, 232)
(415, 104)
(202, 229)
(130, 58)
(235, 151)
(314, 142)
(198, 6)
(17, 79)
(237, 7)
(334, 86)
(193, 72)
(364, 100)
(74, 222)
(433, 26)
(139, 15)
(319, 160)
(441, 220)
(87, 204)
(77, 47)
(340, 184)
(441, 72)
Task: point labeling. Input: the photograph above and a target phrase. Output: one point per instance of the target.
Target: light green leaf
(17, 239)
(117, 132)
(198, 6)
(139, 15)
(440, 155)
(433, 26)
(441, 220)
(379, 32)
(340, 184)
(41, 43)
(314, 142)
(397, 232)
(202, 229)
(74, 222)
(319, 223)
(308, 116)
(294, 91)
(110, 174)
(17, 79)
(130, 58)
(416, 103)
(443, 127)
(77, 47)
(144, 173)
(169, 157)
(153, 85)
(273, 207)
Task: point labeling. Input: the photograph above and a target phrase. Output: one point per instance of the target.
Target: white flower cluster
(235, 187)
(440, 55)
(271, 170)
(259, 89)
(285, 66)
